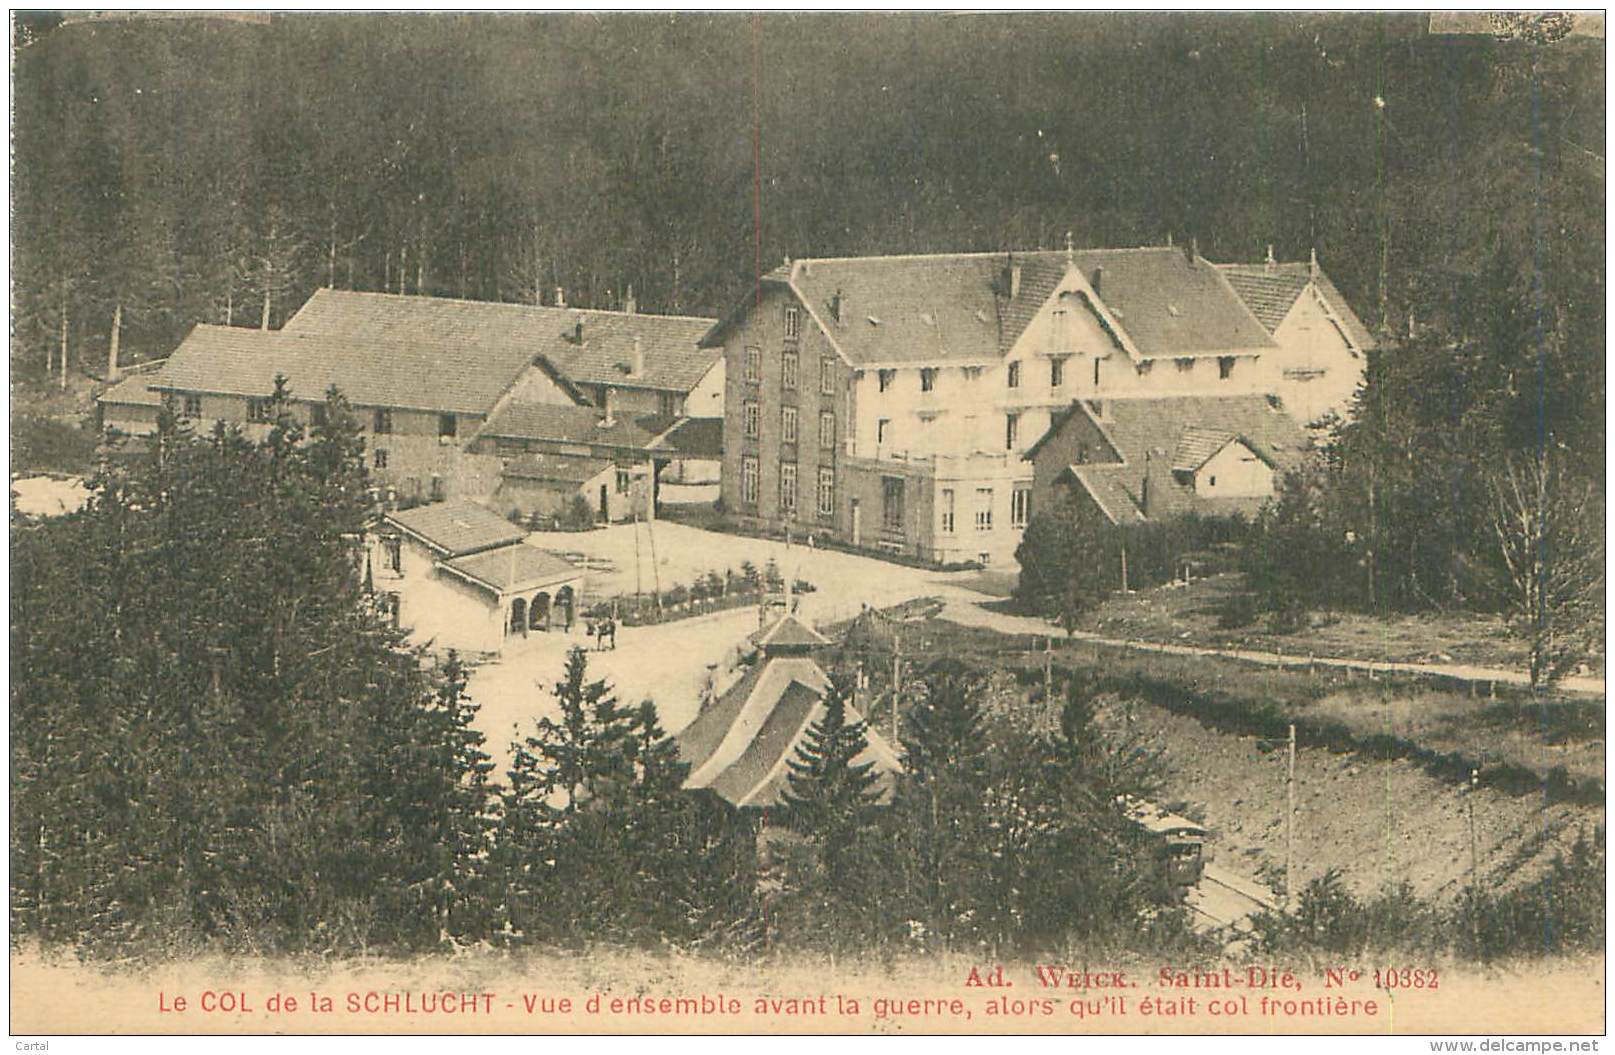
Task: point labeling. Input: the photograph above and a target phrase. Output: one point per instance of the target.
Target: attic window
(873, 321)
(927, 318)
(981, 316)
(1172, 310)
(1185, 364)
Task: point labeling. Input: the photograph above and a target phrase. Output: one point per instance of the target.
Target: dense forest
(175, 170)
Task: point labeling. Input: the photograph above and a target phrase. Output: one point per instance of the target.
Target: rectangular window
(193, 406)
(787, 489)
(1225, 367)
(1056, 373)
(1012, 428)
(1058, 321)
(394, 556)
(882, 427)
(884, 378)
(1014, 375)
(947, 510)
(891, 503)
(927, 379)
(984, 509)
(381, 421)
(793, 322)
(668, 404)
(754, 365)
(1185, 364)
(748, 480)
(787, 425)
(258, 410)
(787, 367)
(438, 490)
(317, 414)
(1020, 507)
(1096, 372)
(381, 458)
(827, 431)
(447, 426)
(827, 376)
(750, 414)
(827, 492)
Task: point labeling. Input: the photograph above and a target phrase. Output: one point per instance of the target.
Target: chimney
(636, 366)
(1098, 279)
(1272, 261)
(560, 297)
(1144, 499)
(629, 304)
(1010, 283)
(1312, 265)
(835, 306)
(606, 418)
(1192, 251)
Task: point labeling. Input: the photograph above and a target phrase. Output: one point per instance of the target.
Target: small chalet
(461, 576)
(1137, 460)
(739, 747)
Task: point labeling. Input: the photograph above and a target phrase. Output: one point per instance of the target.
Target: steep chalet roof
(669, 344)
(741, 745)
(1271, 291)
(1173, 434)
(954, 307)
(230, 360)
(456, 528)
(564, 424)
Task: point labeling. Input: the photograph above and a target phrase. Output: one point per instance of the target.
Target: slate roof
(565, 424)
(1196, 446)
(948, 308)
(1168, 433)
(507, 569)
(370, 371)
(557, 468)
(1270, 290)
(740, 746)
(693, 437)
(674, 361)
(789, 635)
(133, 391)
(457, 527)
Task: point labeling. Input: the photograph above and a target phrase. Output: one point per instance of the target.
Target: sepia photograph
(781, 523)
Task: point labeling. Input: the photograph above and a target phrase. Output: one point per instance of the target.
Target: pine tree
(830, 796)
(937, 822)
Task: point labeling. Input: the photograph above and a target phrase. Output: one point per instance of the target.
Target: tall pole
(1289, 824)
(637, 583)
(1048, 667)
(897, 677)
(1124, 569)
(1474, 860)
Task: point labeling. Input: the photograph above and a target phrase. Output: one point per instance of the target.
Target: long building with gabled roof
(889, 401)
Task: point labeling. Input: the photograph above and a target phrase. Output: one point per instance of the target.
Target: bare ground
(1377, 821)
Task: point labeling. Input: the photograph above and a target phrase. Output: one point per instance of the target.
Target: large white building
(888, 401)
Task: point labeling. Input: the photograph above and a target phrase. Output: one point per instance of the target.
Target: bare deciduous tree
(1550, 533)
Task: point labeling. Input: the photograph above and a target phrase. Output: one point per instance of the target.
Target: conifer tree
(937, 821)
